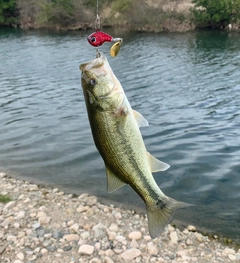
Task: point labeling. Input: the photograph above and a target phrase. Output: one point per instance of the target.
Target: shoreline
(40, 224)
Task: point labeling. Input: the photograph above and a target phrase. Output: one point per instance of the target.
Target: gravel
(47, 225)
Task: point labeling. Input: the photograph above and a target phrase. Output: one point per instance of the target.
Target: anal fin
(155, 164)
(113, 182)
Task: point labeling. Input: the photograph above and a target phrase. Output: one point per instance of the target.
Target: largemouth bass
(115, 129)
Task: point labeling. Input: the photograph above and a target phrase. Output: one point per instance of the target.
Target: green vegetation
(53, 13)
(216, 13)
(156, 15)
(8, 12)
(4, 199)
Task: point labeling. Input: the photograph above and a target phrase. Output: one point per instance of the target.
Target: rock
(199, 237)
(44, 220)
(191, 228)
(135, 235)
(37, 250)
(33, 257)
(111, 235)
(152, 249)
(131, 254)
(11, 238)
(2, 175)
(134, 244)
(85, 235)
(86, 250)
(108, 260)
(113, 227)
(91, 201)
(27, 200)
(82, 209)
(16, 225)
(182, 253)
(120, 238)
(20, 256)
(48, 235)
(70, 223)
(232, 257)
(57, 234)
(21, 214)
(2, 249)
(9, 205)
(18, 261)
(147, 238)
(174, 237)
(47, 243)
(36, 225)
(44, 251)
(228, 251)
(74, 227)
(189, 242)
(95, 260)
(118, 215)
(41, 214)
(99, 231)
(90, 212)
(33, 187)
(71, 237)
(51, 248)
(170, 228)
(97, 245)
(67, 248)
(40, 232)
(109, 253)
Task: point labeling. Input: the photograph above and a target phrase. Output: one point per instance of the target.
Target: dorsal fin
(113, 182)
(155, 164)
(141, 121)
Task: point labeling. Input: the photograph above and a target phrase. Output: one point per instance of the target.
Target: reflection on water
(186, 85)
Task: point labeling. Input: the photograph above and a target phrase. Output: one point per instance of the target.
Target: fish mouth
(95, 63)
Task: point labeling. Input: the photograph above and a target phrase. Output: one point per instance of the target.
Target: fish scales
(127, 160)
(115, 129)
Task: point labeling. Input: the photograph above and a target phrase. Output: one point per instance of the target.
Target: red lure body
(97, 38)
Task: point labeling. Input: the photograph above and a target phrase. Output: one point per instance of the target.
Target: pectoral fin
(155, 164)
(113, 182)
(141, 121)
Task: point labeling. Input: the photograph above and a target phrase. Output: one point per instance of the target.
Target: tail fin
(161, 213)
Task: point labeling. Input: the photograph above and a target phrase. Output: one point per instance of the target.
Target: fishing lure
(97, 38)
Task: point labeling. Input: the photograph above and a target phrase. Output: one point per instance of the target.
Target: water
(186, 85)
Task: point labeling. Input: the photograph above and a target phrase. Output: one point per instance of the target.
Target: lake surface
(186, 85)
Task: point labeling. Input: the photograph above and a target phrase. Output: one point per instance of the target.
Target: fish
(116, 132)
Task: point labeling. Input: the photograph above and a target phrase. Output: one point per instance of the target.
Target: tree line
(40, 13)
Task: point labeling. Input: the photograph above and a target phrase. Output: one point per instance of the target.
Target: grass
(4, 199)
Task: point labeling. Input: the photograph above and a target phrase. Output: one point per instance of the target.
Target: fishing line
(97, 21)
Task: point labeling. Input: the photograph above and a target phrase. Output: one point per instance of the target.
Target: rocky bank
(47, 225)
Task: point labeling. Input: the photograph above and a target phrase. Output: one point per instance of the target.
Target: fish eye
(93, 39)
(93, 82)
